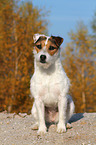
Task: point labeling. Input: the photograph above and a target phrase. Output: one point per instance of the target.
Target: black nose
(42, 58)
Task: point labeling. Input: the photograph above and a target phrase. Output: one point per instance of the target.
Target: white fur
(49, 86)
(36, 36)
(46, 40)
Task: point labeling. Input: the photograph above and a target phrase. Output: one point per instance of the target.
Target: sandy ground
(16, 130)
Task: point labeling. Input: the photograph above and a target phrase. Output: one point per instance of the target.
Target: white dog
(49, 85)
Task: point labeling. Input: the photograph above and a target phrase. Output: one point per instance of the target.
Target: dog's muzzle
(43, 58)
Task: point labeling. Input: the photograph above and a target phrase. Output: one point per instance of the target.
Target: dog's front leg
(41, 116)
(62, 106)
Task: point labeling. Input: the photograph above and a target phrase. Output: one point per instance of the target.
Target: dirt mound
(16, 130)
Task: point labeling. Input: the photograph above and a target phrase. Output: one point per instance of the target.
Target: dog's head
(46, 49)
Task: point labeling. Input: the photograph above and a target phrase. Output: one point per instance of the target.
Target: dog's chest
(48, 87)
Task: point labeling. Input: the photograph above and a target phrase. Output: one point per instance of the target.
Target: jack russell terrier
(49, 85)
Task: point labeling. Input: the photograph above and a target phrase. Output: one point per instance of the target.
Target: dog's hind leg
(35, 116)
(70, 111)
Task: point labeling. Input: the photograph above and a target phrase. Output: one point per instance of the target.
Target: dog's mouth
(44, 64)
(41, 61)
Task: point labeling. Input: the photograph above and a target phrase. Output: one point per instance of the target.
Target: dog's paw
(42, 131)
(61, 128)
(69, 125)
(34, 126)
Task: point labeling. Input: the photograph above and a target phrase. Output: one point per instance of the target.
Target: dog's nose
(42, 58)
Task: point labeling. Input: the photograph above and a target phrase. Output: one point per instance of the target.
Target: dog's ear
(58, 40)
(37, 36)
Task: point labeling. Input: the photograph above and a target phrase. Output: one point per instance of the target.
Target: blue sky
(64, 14)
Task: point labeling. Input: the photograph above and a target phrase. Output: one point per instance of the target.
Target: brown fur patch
(51, 52)
(40, 41)
(57, 40)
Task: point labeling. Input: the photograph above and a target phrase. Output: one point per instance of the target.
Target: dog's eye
(51, 48)
(38, 46)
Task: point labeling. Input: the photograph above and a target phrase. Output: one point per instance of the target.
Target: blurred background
(75, 21)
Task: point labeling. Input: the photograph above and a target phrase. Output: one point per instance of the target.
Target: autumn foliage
(18, 23)
(80, 65)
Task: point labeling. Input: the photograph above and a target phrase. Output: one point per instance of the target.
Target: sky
(64, 15)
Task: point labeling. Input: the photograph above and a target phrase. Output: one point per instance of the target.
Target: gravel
(16, 130)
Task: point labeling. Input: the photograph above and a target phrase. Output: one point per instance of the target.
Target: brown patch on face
(51, 48)
(39, 44)
(54, 44)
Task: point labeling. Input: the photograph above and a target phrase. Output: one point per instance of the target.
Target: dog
(49, 85)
